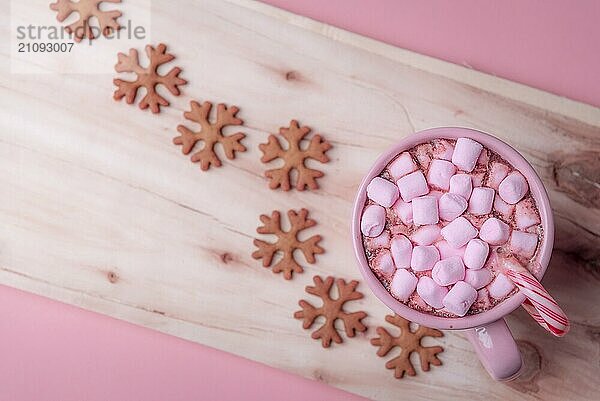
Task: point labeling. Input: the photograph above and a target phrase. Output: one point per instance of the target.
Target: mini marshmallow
(412, 186)
(476, 254)
(430, 292)
(424, 257)
(503, 208)
(466, 153)
(494, 231)
(460, 298)
(403, 211)
(372, 221)
(513, 188)
(403, 284)
(384, 264)
(523, 243)
(498, 171)
(500, 287)
(481, 201)
(478, 278)
(448, 271)
(446, 250)
(525, 214)
(451, 206)
(461, 184)
(401, 248)
(382, 191)
(402, 165)
(458, 232)
(439, 174)
(426, 235)
(425, 210)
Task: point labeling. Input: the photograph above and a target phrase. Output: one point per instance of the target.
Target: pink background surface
(551, 45)
(50, 351)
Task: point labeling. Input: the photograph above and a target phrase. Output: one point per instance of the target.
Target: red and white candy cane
(539, 303)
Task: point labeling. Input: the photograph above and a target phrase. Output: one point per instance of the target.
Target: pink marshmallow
(481, 201)
(401, 248)
(384, 264)
(403, 211)
(458, 232)
(448, 271)
(525, 214)
(476, 254)
(402, 165)
(466, 153)
(478, 278)
(381, 241)
(372, 221)
(439, 174)
(430, 292)
(523, 243)
(425, 210)
(460, 298)
(498, 171)
(446, 250)
(451, 206)
(461, 184)
(426, 235)
(382, 191)
(403, 284)
(494, 231)
(513, 188)
(424, 257)
(412, 186)
(500, 287)
(503, 208)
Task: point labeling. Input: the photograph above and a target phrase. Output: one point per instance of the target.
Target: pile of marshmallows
(450, 285)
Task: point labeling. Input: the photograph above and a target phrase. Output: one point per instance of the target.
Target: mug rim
(538, 192)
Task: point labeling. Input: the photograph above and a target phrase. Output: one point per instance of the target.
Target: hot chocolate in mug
(486, 330)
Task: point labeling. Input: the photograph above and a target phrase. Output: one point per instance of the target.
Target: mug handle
(497, 350)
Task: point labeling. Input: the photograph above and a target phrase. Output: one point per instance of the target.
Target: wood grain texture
(100, 210)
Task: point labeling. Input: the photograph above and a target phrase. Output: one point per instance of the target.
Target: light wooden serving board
(101, 211)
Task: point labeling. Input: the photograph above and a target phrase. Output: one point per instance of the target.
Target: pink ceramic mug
(487, 331)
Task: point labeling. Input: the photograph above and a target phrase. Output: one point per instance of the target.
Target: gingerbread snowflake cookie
(86, 10)
(408, 341)
(294, 157)
(332, 309)
(147, 77)
(287, 242)
(210, 134)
